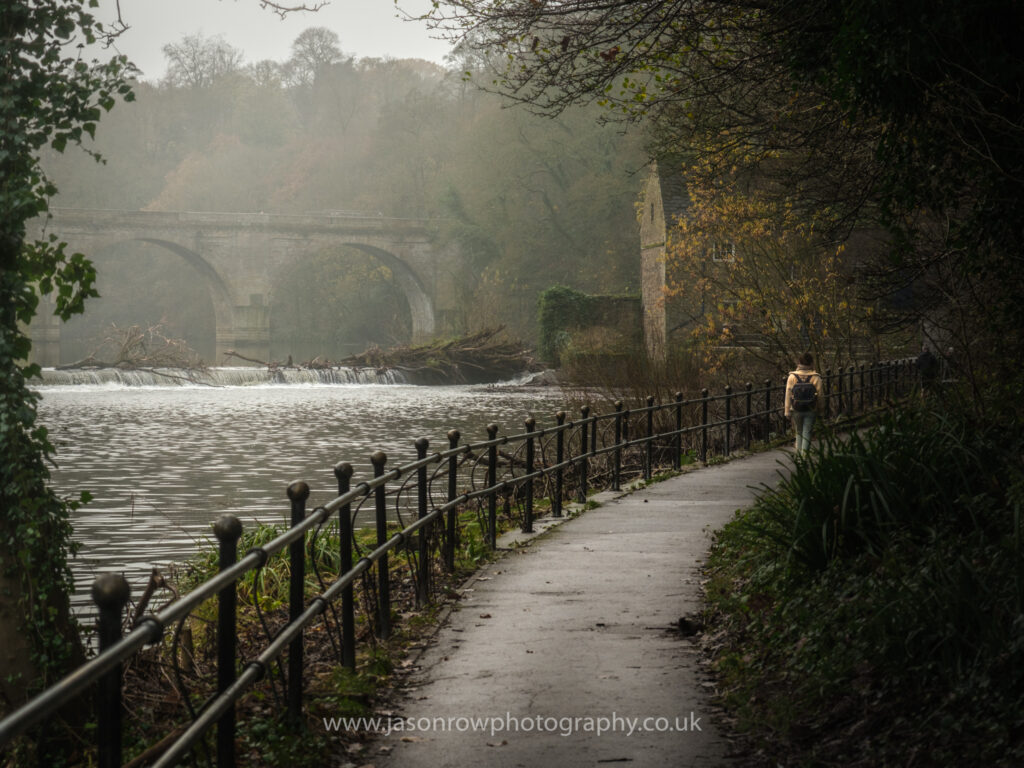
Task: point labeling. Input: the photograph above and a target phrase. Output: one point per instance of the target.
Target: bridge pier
(246, 332)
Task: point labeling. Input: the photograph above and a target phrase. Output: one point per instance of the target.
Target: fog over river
(163, 462)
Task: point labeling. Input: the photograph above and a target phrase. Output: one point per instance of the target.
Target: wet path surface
(577, 633)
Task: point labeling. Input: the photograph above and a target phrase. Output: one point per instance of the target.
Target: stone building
(663, 200)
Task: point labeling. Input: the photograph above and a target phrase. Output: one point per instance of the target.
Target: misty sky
(367, 28)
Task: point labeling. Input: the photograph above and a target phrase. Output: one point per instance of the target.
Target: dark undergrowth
(869, 611)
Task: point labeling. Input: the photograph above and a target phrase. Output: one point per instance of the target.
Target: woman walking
(803, 392)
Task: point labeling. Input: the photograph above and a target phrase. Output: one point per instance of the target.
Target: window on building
(723, 252)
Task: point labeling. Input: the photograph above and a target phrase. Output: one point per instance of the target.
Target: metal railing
(559, 462)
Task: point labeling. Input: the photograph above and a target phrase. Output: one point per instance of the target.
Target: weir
(218, 377)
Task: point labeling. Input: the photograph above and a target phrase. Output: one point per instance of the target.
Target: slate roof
(674, 197)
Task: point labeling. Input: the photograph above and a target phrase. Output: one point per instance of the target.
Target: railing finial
(111, 590)
(298, 491)
(227, 528)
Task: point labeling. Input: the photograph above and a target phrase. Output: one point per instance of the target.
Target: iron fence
(434, 499)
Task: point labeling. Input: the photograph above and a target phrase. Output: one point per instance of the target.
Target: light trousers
(803, 423)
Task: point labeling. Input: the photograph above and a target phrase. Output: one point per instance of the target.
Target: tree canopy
(49, 96)
(902, 118)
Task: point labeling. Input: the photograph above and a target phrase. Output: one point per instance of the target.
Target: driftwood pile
(472, 359)
(138, 349)
(476, 358)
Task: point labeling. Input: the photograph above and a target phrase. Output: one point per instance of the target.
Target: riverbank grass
(869, 611)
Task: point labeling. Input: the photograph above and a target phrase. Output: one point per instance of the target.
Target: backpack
(804, 393)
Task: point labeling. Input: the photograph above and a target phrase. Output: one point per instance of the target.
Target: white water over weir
(218, 377)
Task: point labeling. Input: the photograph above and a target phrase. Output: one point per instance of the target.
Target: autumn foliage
(748, 274)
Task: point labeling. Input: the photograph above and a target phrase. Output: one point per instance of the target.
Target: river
(163, 461)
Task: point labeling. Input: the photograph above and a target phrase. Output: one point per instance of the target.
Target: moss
(562, 310)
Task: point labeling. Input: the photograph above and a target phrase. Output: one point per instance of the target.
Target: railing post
(298, 492)
(507, 506)
(556, 502)
(453, 477)
(110, 592)
(862, 387)
(746, 421)
(492, 481)
(767, 410)
(828, 393)
(840, 394)
(704, 426)
(528, 508)
(852, 391)
(343, 472)
(379, 459)
(728, 419)
(649, 453)
(423, 564)
(581, 495)
(677, 443)
(228, 530)
(617, 465)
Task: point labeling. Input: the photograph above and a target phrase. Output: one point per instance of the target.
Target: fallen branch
(232, 353)
(475, 358)
(150, 351)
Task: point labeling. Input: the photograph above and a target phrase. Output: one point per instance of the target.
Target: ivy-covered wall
(575, 322)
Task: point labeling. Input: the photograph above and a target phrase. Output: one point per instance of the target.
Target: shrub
(872, 605)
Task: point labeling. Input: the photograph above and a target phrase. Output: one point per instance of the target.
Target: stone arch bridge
(239, 257)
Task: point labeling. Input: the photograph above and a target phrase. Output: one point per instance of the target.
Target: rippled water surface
(163, 462)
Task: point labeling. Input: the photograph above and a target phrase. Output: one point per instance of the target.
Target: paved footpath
(579, 624)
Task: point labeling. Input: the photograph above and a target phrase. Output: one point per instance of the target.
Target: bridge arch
(219, 293)
(421, 308)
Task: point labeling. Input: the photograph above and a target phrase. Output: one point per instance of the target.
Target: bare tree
(313, 50)
(266, 73)
(198, 62)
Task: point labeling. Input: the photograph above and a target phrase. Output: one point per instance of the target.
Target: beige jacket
(803, 370)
